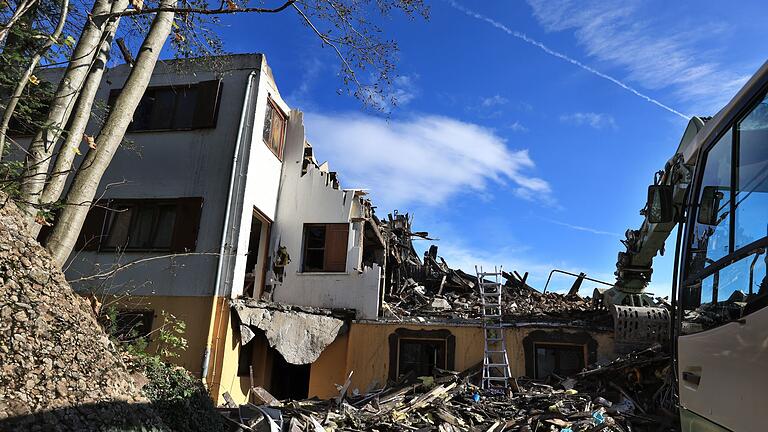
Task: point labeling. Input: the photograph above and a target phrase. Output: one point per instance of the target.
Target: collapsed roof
(429, 289)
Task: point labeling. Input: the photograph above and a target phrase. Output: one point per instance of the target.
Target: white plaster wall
(311, 199)
(262, 182)
(189, 163)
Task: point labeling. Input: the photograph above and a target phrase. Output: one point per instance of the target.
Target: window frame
(305, 247)
(689, 278)
(733, 254)
(146, 318)
(409, 334)
(184, 235)
(113, 94)
(552, 337)
(279, 153)
(558, 346)
(135, 205)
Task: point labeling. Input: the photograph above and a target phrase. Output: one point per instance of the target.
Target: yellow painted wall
(194, 311)
(367, 354)
(329, 369)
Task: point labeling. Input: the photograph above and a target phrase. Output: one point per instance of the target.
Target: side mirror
(709, 206)
(660, 207)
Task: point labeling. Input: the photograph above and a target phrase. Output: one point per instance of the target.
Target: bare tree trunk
(41, 148)
(82, 113)
(83, 189)
(24, 79)
(22, 9)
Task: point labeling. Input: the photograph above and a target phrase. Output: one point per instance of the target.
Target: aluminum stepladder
(496, 373)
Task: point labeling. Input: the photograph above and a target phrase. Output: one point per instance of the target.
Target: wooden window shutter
(91, 234)
(207, 104)
(187, 224)
(336, 236)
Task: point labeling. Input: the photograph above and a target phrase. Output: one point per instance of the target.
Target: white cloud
(404, 89)
(655, 55)
(494, 100)
(593, 120)
(585, 229)
(525, 38)
(426, 159)
(518, 127)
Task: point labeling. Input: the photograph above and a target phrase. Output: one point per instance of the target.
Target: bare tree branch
(201, 11)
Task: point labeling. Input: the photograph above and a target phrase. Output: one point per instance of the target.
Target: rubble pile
(448, 403)
(641, 383)
(58, 370)
(431, 288)
(632, 393)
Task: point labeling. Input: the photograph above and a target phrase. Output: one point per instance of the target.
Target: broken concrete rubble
(450, 401)
(300, 334)
(430, 288)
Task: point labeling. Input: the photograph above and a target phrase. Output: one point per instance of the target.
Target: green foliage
(166, 341)
(10, 172)
(171, 339)
(178, 397)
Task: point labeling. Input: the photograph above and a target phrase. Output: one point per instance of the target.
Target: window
(711, 242)
(325, 247)
(421, 356)
(557, 352)
(142, 225)
(129, 326)
(560, 360)
(274, 129)
(752, 189)
(180, 107)
(146, 225)
(726, 294)
(725, 278)
(418, 352)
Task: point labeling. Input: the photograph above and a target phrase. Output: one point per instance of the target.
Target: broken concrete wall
(310, 194)
(300, 337)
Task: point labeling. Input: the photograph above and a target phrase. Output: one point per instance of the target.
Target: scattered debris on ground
(629, 394)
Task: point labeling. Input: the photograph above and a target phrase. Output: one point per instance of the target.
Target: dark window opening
(557, 352)
(373, 245)
(180, 107)
(245, 359)
(142, 225)
(253, 245)
(415, 353)
(325, 247)
(129, 326)
(259, 224)
(560, 360)
(289, 381)
(420, 357)
(274, 129)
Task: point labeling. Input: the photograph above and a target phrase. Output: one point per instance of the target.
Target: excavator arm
(638, 320)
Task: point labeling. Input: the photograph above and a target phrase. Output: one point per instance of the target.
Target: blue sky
(526, 131)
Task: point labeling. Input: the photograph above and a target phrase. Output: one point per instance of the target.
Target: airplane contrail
(541, 46)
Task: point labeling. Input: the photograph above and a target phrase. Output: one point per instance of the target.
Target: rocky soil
(58, 370)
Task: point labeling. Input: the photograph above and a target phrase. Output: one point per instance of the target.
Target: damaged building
(287, 281)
